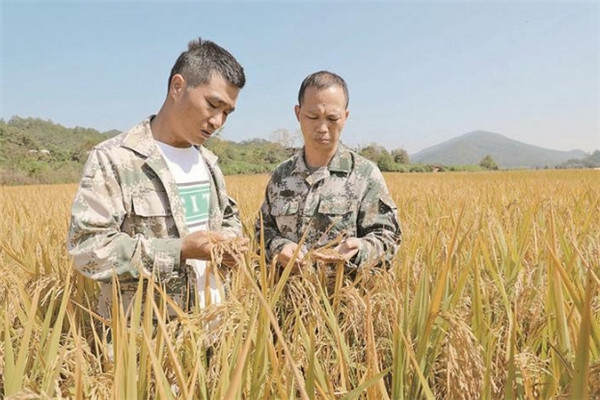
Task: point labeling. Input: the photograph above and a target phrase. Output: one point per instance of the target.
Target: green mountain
(590, 161)
(33, 150)
(471, 147)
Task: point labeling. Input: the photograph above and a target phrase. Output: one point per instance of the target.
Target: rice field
(494, 294)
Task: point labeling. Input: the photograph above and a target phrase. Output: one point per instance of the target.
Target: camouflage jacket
(127, 218)
(349, 198)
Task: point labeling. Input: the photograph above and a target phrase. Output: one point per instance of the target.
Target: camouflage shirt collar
(140, 139)
(209, 156)
(341, 162)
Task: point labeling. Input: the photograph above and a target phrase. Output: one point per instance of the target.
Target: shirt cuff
(167, 258)
(276, 246)
(361, 256)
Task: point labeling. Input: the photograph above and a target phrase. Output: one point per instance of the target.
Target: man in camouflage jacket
(127, 218)
(327, 195)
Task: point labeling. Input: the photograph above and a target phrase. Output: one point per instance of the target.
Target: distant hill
(471, 147)
(33, 150)
(590, 161)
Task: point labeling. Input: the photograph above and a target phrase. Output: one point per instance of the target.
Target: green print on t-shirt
(195, 201)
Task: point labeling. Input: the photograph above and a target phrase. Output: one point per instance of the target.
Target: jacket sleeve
(231, 217)
(377, 227)
(274, 241)
(99, 247)
(228, 206)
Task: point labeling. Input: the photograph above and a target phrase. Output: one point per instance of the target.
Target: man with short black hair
(327, 195)
(152, 201)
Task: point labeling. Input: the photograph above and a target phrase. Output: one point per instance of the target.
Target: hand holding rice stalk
(229, 249)
(221, 247)
(342, 252)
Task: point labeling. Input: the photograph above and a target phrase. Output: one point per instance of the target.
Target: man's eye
(311, 117)
(333, 119)
(212, 105)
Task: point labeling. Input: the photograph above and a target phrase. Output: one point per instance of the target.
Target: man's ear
(297, 112)
(347, 113)
(177, 85)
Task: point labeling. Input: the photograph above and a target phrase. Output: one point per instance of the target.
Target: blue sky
(418, 73)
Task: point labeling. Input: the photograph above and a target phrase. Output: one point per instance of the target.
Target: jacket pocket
(151, 216)
(286, 216)
(151, 204)
(286, 208)
(333, 207)
(335, 217)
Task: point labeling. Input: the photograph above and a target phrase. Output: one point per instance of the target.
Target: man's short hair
(204, 58)
(323, 80)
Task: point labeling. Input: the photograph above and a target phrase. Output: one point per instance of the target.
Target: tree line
(33, 151)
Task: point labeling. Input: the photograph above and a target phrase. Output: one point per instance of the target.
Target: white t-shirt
(193, 182)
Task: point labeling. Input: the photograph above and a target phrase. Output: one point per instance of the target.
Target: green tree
(488, 163)
(386, 162)
(373, 152)
(380, 156)
(400, 156)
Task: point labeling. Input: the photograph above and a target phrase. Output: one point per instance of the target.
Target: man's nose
(217, 120)
(322, 127)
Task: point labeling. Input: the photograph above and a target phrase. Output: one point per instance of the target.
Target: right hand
(287, 253)
(199, 245)
(341, 253)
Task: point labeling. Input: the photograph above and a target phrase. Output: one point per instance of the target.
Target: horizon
(418, 74)
(356, 147)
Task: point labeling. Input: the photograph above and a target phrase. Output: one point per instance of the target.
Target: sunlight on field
(494, 294)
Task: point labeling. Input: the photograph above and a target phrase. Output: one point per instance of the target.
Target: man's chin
(326, 144)
(199, 141)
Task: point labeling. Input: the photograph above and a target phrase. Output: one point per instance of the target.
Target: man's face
(201, 110)
(322, 116)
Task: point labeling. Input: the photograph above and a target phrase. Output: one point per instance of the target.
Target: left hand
(342, 252)
(233, 254)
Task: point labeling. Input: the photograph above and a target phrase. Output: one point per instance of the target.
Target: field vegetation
(36, 151)
(493, 294)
